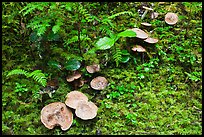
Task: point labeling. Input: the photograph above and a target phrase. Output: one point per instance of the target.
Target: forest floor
(162, 96)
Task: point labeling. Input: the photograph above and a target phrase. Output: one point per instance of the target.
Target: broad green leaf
(54, 64)
(127, 33)
(72, 64)
(105, 43)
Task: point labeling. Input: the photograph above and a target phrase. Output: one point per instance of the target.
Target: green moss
(160, 96)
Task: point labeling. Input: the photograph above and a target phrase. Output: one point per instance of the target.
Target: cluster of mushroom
(170, 18)
(84, 109)
(58, 114)
(98, 83)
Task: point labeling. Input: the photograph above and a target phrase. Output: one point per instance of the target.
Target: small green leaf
(72, 64)
(105, 43)
(127, 33)
(56, 28)
(68, 6)
(146, 69)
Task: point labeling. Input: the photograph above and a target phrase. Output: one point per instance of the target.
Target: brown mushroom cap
(93, 68)
(55, 114)
(154, 15)
(146, 24)
(140, 33)
(74, 97)
(139, 48)
(71, 78)
(86, 110)
(99, 83)
(151, 40)
(171, 18)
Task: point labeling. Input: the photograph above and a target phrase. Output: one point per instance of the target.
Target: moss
(154, 97)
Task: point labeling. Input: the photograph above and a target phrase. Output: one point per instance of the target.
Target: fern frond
(117, 55)
(17, 72)
(38, 76)
(120, 13)
(29, 8)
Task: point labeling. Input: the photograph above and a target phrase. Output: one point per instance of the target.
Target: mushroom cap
(71, 78)
(55, 114)
(146, 24)
(93, 68)
(144, 7)
(74, 97)
(99, 83)
(171, 18)
(86, 110)
(139, 48)
(151, 40)
(154, 15)
(140, 33)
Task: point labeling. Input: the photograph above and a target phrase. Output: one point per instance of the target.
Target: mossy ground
(164, 101)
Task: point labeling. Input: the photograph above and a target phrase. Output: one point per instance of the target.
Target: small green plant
(108, 42)
(37, 75)
(20, 88)
(120, 90)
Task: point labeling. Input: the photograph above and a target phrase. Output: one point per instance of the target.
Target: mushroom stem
(144, 14)
(142, 57)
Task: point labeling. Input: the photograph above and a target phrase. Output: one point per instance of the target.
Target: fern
(17, 72)
(120, 13)
(117, 55)
(37, 75)
(107, 20)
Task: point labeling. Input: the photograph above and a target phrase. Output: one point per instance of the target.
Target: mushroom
(74, 97)
(55, 114)
(171, 18)
(93, 68)
(146, 10)
(140, 33)
(146, 24)
(154, 15)
(86, 110)
(151, 40)
(99, 83)
(139, 48)
(71, 78)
